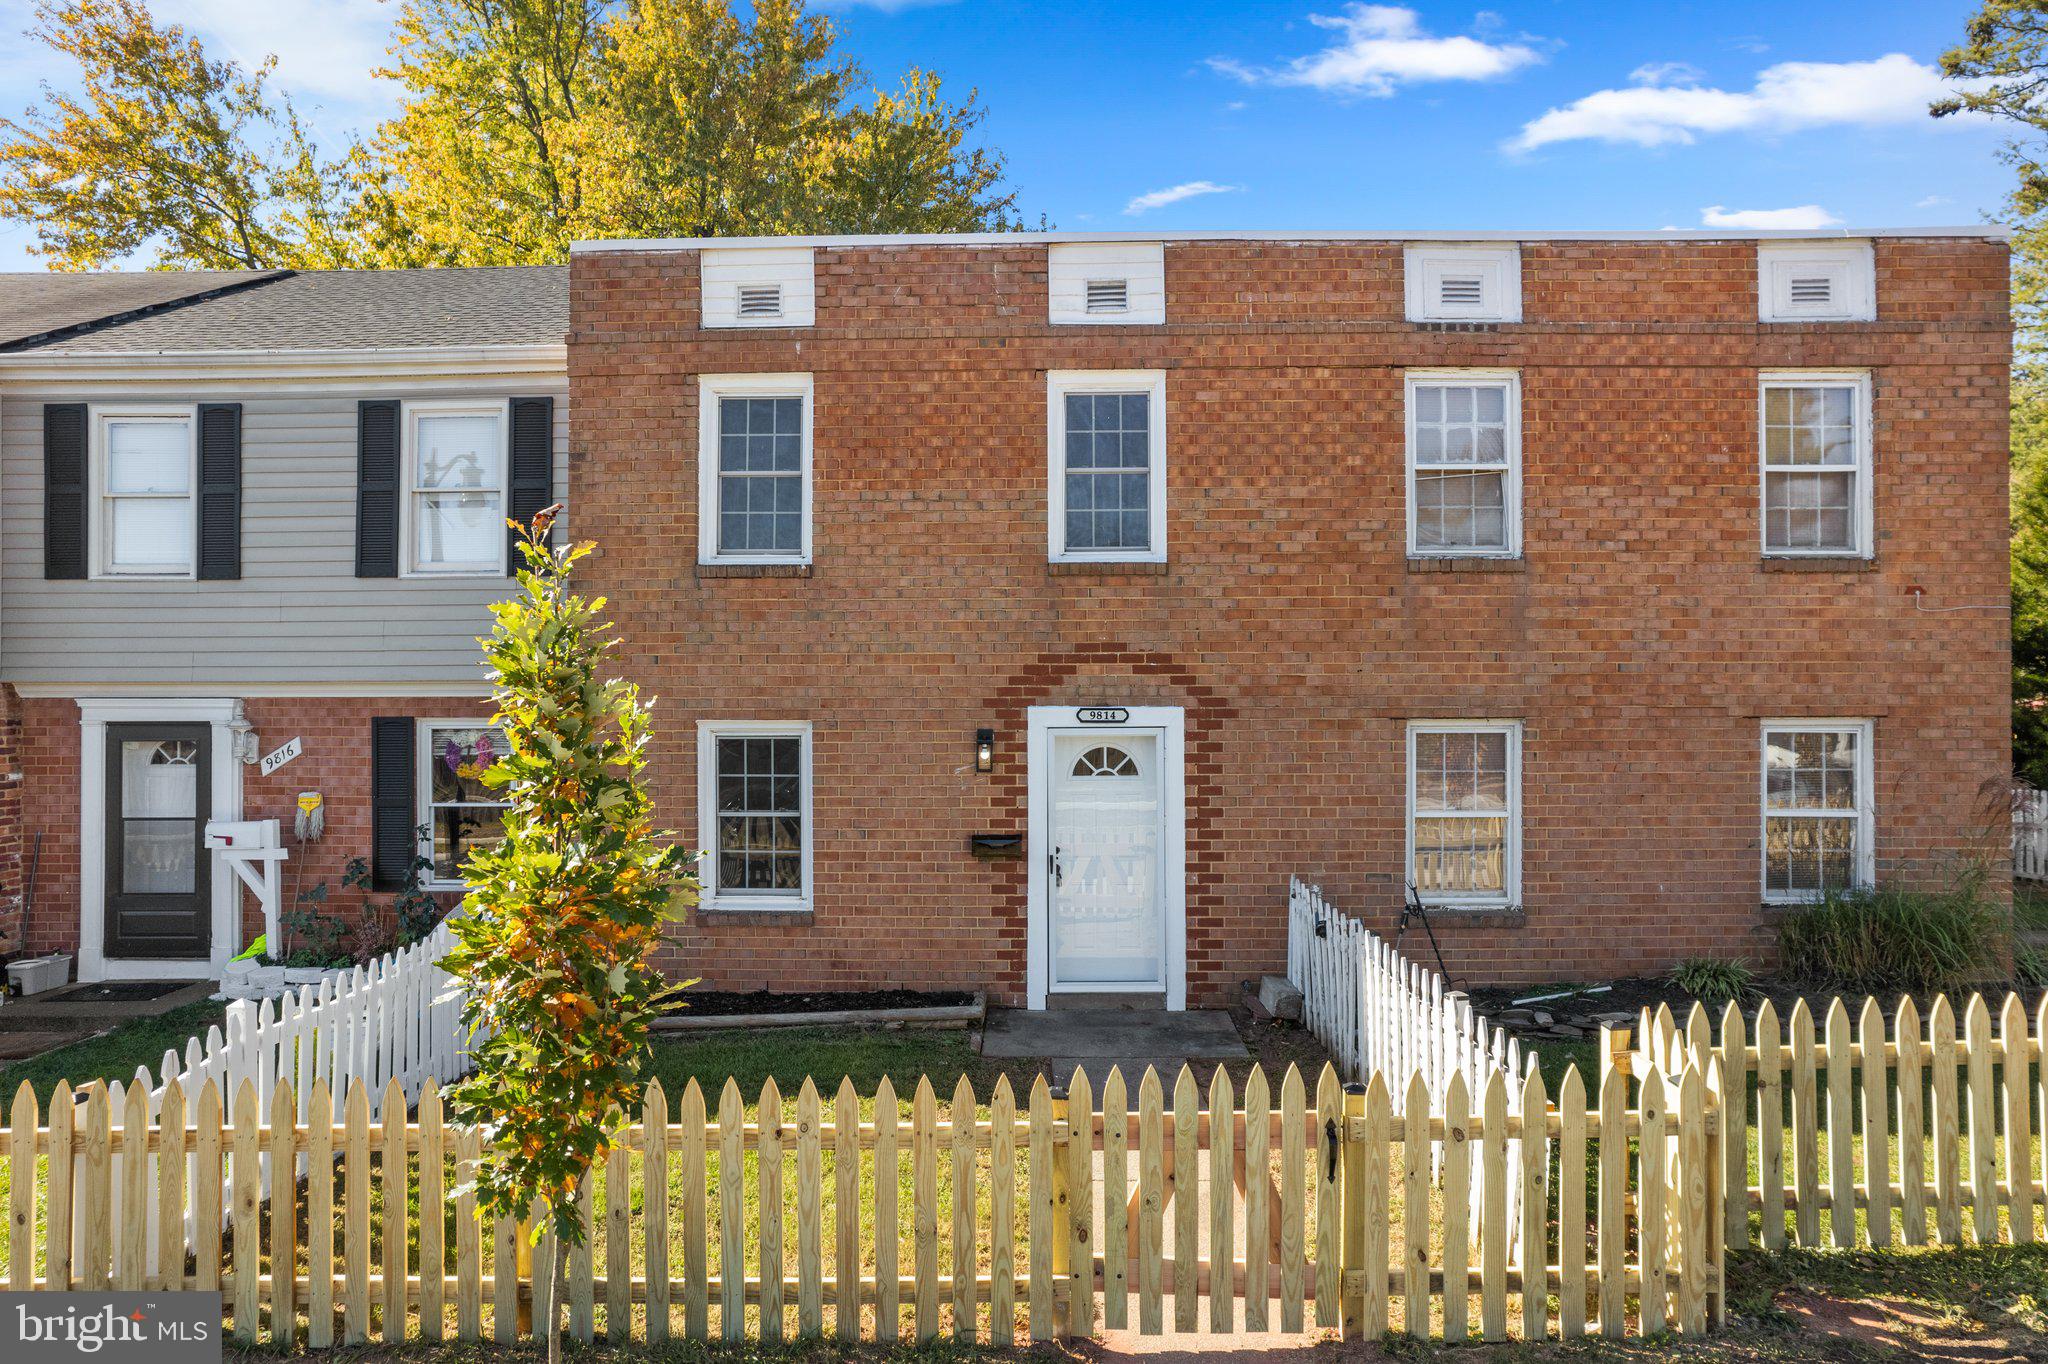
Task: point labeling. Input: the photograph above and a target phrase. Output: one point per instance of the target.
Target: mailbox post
(254, 850)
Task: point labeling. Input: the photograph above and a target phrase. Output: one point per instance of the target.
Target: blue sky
(1539, 114)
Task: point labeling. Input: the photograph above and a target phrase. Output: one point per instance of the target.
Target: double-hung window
(1817, 819)
(1465, 812)
(458, 812)
(1464, 464)
(1816, 464)
(754, 813)
(145, 469)
(754, 469)
(455, 487)
(1106, 439)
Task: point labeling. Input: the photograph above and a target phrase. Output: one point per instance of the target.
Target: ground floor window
(754, 814)
(1464, 812)
(1816, 808)
(457, 810)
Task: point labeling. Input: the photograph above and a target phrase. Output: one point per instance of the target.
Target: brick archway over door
(1113, 673)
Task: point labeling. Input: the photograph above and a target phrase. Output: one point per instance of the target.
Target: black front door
(159, 891)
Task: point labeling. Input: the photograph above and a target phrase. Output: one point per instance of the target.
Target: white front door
(1106, 925)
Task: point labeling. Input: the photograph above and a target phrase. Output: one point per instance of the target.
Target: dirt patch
(740, 1003)
(1577, 1016)
(1894, 1324)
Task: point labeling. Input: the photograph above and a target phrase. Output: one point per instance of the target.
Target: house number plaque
(1102, 715)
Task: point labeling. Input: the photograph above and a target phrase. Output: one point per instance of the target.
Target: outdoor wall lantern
(984, 750)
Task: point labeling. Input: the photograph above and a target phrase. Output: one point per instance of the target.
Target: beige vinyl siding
(298, 616)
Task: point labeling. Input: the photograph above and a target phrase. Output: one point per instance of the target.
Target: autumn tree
(165, 148)
(563, 912)
(2001, 70)
(522, 126)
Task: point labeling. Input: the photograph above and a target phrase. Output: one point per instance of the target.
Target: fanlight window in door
(1105, 762)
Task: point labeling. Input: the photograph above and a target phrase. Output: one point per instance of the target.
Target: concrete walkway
(1100, 1038)
(39, 1023)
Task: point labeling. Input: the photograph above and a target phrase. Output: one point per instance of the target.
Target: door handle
(1058, 872)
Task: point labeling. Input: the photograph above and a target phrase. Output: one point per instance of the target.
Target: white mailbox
(241, 834)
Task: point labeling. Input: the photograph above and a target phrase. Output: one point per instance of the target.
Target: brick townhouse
(1026, 609)
(1023, 610)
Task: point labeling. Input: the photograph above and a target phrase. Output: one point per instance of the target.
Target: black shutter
(533, 468)
(377, 463)
(220, 490)
(64, 539)
(393, 808)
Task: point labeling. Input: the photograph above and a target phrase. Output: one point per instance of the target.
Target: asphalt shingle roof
(44, 302)
(353, 310)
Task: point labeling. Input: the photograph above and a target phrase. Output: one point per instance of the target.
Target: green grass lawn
(113, 1055)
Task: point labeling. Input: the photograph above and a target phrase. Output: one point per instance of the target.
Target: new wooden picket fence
(1878, 1125)
(1249, 1210)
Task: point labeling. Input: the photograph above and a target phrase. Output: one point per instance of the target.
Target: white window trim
(409, 490)
(709, 732)
(1511, 496)
(423, 786)
(1511, 896)
(1058, 384)
(100, 527)
(710, 388)
(1865, 468)
(1865, 812)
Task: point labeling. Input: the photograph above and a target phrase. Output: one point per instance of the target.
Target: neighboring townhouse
(1025, 609)
(247, 518)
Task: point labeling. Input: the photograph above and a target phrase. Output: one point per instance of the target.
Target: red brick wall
(12, 864)
(1641, 639)
(336, 763)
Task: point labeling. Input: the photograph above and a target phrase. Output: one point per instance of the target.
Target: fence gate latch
(1330, 1139)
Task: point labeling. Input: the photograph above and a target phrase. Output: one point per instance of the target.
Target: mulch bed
(1578, 1017)
(729, 1003)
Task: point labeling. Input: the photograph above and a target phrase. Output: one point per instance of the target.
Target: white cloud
(1379, 48)
(323, 47)
(1160, 198)
(1666, 73)
(1806, 216)
(1788, 96)
(1933, 201)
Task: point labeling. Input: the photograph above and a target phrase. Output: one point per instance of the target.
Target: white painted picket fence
(1376, 1010)
(396, 1018)
(2030, 833)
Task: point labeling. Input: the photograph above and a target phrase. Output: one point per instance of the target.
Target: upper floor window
(1817, 816)
(458, 812)
(455, 487)
(144, 471)
(1465, 812)
(1107, 489)
(1816, 281)
(754, 813)
(754, 469)
(1472, 282)
(1464, 464)
(1816, 464)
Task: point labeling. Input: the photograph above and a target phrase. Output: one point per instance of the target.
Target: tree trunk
(551, 1308)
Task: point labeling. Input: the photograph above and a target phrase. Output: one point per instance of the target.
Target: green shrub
(1713, 980)
(2030, 967)
(1886, 939)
